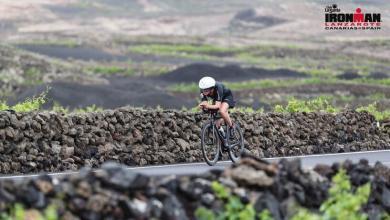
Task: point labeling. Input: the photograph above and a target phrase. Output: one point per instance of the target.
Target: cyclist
(222, 100)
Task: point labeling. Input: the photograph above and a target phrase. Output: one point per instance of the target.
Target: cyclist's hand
(205, 110)
(203, 105)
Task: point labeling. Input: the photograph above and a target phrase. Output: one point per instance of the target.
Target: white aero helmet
(206, 82)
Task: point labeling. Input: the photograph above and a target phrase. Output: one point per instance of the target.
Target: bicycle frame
(213, 118)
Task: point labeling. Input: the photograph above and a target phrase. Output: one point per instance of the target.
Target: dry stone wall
(117, 193)
(48, 141)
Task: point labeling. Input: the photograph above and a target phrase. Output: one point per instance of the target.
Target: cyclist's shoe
(225, 144)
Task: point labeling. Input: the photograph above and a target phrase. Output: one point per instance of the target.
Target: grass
(318, 104)
(372, 109)
(172, 49)
(151, 69)
(377, 96)
(376, 42)
(321, 103)
(57, 42)
(385, 82)
(315, 66)
(195, 52)
(65, 110)
(344, 98)
(254, 84)
(112, 70)
(323, 73)
(272, 83)
(33, 76)
(317, 63)
(246, 110)
(130, 68)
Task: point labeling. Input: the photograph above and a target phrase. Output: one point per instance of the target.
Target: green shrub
(265, 215)
(18, 212)
(92, 108)
(246, 110)
(385, 216)
(50, 213)
(318, 104)
(233, 207)
(59, 108)
(342, 202)
(3, 106)
(30, 104)
(304, 214)
(372, 109)
(203, 213)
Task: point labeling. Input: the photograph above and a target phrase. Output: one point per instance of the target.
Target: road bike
(214, 143)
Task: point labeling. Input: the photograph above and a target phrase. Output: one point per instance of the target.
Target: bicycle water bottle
(221, 131)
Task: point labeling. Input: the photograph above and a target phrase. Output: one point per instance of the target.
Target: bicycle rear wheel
(210, 144)
(236, 144)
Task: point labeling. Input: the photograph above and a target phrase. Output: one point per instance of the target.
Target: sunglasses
(206, 90)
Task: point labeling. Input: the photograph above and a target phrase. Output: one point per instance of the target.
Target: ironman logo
(358, 20)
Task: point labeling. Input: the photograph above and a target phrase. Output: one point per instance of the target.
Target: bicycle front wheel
(236, 143)
(210, 144)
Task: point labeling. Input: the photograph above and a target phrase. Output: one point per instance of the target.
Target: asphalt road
(308, 161)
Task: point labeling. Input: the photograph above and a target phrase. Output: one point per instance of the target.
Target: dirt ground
(151, 91)
(110, 26)
(266, 97)
(145, 91)
(222, 22)
(121, 91)
(193, 72)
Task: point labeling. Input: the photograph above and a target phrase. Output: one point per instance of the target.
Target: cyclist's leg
(230, 101)
(223, 110)
(219, 122)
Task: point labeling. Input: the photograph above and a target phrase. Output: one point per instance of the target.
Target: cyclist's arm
(203, 100)
(218, 99)
(217, 105)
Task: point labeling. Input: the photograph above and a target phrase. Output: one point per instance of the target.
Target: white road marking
(220, 164)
